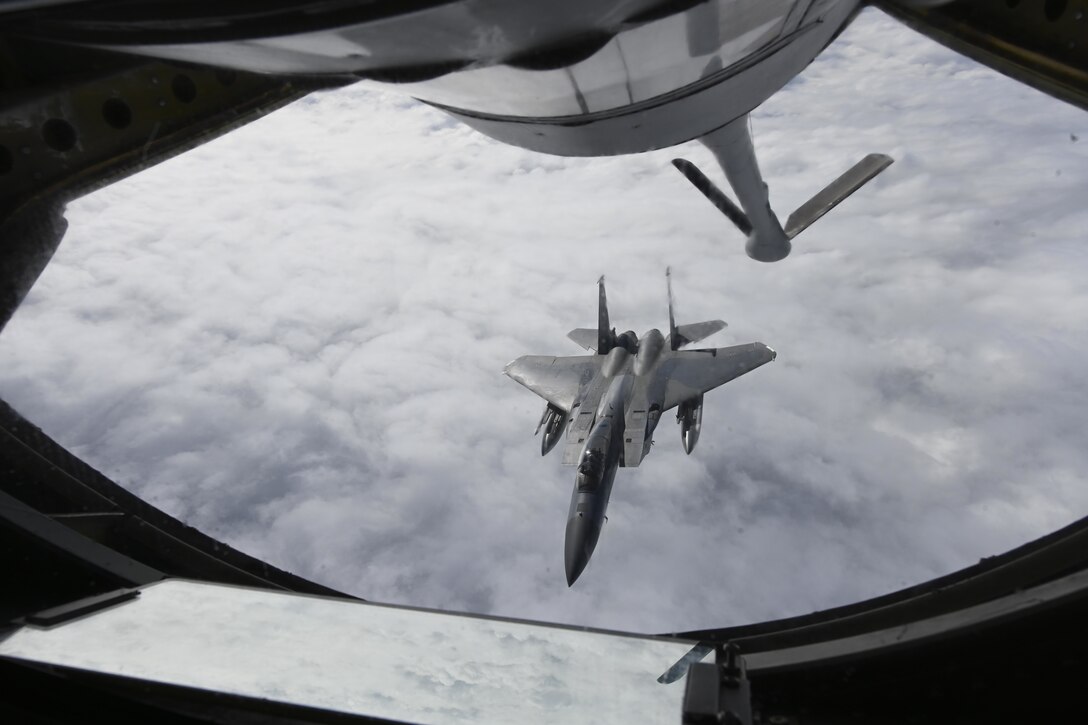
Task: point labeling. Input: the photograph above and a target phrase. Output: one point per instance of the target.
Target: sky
(292, 338)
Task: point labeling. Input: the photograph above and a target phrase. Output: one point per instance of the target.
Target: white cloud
(293, 337)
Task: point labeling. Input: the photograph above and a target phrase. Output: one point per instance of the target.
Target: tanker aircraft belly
(610, 403)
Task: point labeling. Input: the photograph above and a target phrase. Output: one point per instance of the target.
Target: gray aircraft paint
(693, 74)
(612, 401)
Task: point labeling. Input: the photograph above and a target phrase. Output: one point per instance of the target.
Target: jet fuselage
(603, 450)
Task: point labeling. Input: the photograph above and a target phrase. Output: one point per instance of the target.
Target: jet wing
(559, 380)
(691, 373)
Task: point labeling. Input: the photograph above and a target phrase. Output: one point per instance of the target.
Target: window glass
(365, 658)
(638, 64)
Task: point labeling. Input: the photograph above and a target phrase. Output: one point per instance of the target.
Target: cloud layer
(292, 338)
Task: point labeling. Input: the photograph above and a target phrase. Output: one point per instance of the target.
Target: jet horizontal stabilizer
(834, 193)
(680, 335)
(697, 331)
(585, 338)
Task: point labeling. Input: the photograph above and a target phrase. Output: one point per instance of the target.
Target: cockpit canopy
(590, 470)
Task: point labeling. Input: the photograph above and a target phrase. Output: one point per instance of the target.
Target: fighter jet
(610, 403)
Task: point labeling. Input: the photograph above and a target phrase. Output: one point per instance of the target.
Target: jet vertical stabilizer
(605, 335)
(674, 336)
(768, 241)
(680, 335)
(602, 339)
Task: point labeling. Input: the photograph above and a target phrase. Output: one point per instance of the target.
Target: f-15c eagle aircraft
(614, 399)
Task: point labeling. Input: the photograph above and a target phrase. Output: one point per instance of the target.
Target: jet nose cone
(582, 534)
(576, 560)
